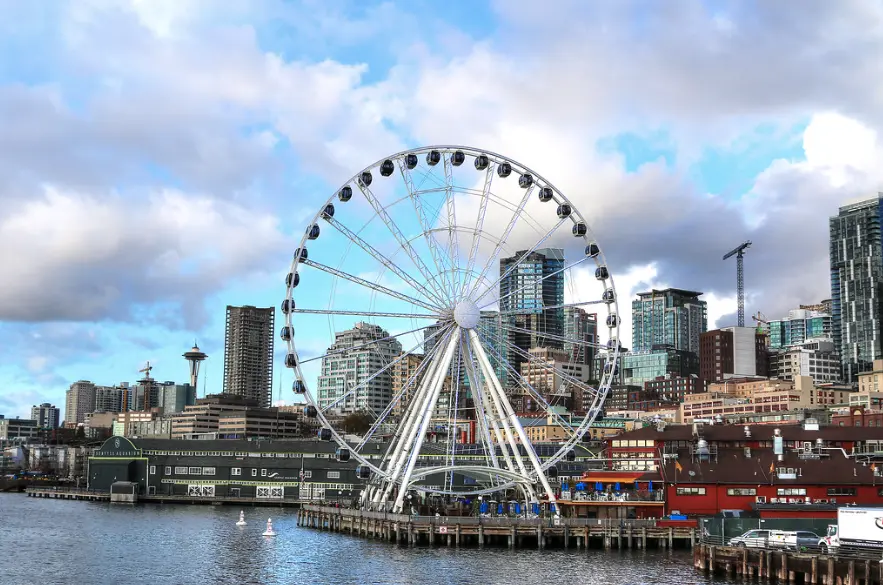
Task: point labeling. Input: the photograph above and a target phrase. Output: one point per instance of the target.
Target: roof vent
(811, 424)
(747, 431)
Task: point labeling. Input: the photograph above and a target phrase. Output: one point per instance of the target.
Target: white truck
(858, 529)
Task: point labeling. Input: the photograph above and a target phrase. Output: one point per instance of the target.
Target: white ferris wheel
(466, 300)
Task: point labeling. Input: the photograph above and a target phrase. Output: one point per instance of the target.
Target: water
(52, 541)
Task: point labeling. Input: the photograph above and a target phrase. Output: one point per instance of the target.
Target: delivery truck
(859, 529)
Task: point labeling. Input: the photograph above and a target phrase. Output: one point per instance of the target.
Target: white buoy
(269, 531)
(242, 521)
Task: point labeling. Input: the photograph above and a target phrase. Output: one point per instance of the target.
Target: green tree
(357, 423)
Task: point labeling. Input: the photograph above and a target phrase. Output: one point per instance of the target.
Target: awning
(611, 477)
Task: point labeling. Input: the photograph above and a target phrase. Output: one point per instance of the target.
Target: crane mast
(738, 252)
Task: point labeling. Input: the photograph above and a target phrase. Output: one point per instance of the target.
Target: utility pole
(740, 281)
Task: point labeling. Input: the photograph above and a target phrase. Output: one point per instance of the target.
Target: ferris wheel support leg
(414, 453)
(481, 418)
(528, 447)
(417, 413)
(405, 431)
(501, 403)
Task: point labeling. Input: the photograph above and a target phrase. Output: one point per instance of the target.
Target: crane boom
(740, 281)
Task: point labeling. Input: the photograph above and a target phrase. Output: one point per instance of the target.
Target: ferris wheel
(452, 325)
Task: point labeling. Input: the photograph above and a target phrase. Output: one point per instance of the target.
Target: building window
(236, 471)
(791, 491)
(333, 475)
(742, 492)
(153, 470)
(254, 472)
(168, 470)
(308, 474)
(208, 470)
(691, 491)
(180, 471)
(195, 471)
(841, 491)
(263, 473)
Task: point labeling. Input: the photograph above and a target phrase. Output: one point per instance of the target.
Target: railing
(606, 524)
(620, 497)
(67, 490)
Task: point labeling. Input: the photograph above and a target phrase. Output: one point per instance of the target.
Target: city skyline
(671, 164)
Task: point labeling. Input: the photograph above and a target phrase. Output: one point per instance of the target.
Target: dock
(540, 533)
(786, 567)
(103, 496)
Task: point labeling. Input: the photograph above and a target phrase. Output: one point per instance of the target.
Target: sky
(159, 159)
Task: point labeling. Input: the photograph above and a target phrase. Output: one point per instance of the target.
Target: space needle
(195, 356)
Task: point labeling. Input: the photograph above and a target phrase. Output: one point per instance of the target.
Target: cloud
(111, 254)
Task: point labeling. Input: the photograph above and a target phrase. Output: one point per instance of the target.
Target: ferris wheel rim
(612, 357)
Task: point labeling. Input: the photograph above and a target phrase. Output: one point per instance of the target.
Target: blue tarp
(580, 487)
(617, 488)
(564, 487)
(518, 508)
(650, 486)
(483, 508)
(499, 508)
(536, 508)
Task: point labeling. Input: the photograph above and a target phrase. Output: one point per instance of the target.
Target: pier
(103, 496)
(578, 533)
(786, 567)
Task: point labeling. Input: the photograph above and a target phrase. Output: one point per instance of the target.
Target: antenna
(740, 281)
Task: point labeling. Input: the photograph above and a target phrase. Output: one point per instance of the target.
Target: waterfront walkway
(499, 531)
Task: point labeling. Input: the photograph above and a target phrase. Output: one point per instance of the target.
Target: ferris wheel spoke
(428, 292)
(498, 248)
(362, 384)
(535, 281)
(405, 387)
(453, 240)
(366, 344)
(421, 216)
(523, 258)
(365, 313)
(584, 386)
(564, 423)
(552, 337)
(368, 284)
(479, 224)
(512, 419)
(399, 237)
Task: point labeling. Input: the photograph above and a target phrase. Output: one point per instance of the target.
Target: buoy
(242, 521)
(269, 531)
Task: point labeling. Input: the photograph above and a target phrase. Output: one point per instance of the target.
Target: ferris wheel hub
(466, 314)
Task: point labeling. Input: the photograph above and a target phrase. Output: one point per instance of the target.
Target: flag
(678, 466)
(302, 474)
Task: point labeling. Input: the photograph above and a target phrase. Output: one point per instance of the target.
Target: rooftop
(725, 433)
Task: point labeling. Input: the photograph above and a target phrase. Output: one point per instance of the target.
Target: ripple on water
(96, 543)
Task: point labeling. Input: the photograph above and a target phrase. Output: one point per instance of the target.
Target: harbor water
(58, 541)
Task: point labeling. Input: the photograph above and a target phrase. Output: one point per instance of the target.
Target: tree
(357, 423)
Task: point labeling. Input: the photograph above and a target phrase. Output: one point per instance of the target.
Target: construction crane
(761, 320)
(146, 371)
(740, 282)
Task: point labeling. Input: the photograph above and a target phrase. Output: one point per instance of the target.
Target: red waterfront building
(790, 471)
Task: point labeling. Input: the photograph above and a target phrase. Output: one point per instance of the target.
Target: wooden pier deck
(539, 533)
(787, 567)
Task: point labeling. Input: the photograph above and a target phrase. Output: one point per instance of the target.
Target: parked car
(752, 539)
(807, 540)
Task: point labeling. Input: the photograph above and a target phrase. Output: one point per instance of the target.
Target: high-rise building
(732, 351)
(815, 358)
(174, 397)
(494, 342)
(536, 281)
(581, 327)
(856, 249)
(346, 376)
(80, 400)
(405, 373)
(248, 353)
(46, 415)
(672, 317)
(109, 399)
(799, 326)
(637, 367)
